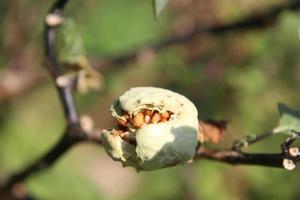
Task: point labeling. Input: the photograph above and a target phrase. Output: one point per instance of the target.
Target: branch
(42, 163)
(65, 93)
(74, 132)
(250, 139)
(287, 159)
(46, 161)
(236, 157)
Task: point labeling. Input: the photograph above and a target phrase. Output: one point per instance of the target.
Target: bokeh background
(238, 76)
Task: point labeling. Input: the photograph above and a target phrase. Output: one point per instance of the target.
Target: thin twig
(239, 158)
(250, 139)
(44, 162)
(65, 93)
(73, 133)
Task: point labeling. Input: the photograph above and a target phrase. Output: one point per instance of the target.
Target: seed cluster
(144, 117)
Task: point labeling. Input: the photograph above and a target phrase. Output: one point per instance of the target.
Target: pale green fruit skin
(160, 145)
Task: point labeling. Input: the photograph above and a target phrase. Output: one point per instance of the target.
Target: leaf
(72, 56)
(213, 131)
(70, 44)
(289, 119)
(158, 6)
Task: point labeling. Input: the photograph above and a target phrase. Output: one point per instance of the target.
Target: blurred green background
(239, 76)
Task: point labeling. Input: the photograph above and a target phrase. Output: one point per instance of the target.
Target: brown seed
(155, 118)
(138, 120)
(165, 115)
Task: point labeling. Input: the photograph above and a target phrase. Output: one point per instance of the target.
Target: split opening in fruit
(128, 124)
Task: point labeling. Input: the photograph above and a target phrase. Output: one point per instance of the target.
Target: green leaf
(158, 6)
(289, 119)
(73, 59)
(70, 44)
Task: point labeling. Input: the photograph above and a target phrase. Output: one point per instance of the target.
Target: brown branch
(70, 138)
(74, 132)
(65, 93)
(250, 139)
(287, 158)
(240, 158)
(64, 144)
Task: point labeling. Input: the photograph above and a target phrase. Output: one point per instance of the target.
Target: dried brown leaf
(213, 130)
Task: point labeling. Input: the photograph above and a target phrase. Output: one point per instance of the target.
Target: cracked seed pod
(157, 128)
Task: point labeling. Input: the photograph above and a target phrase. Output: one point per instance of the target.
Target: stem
(73, 133)
(239, 144)
(239, 158)
(65, 93)
(44, 162)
